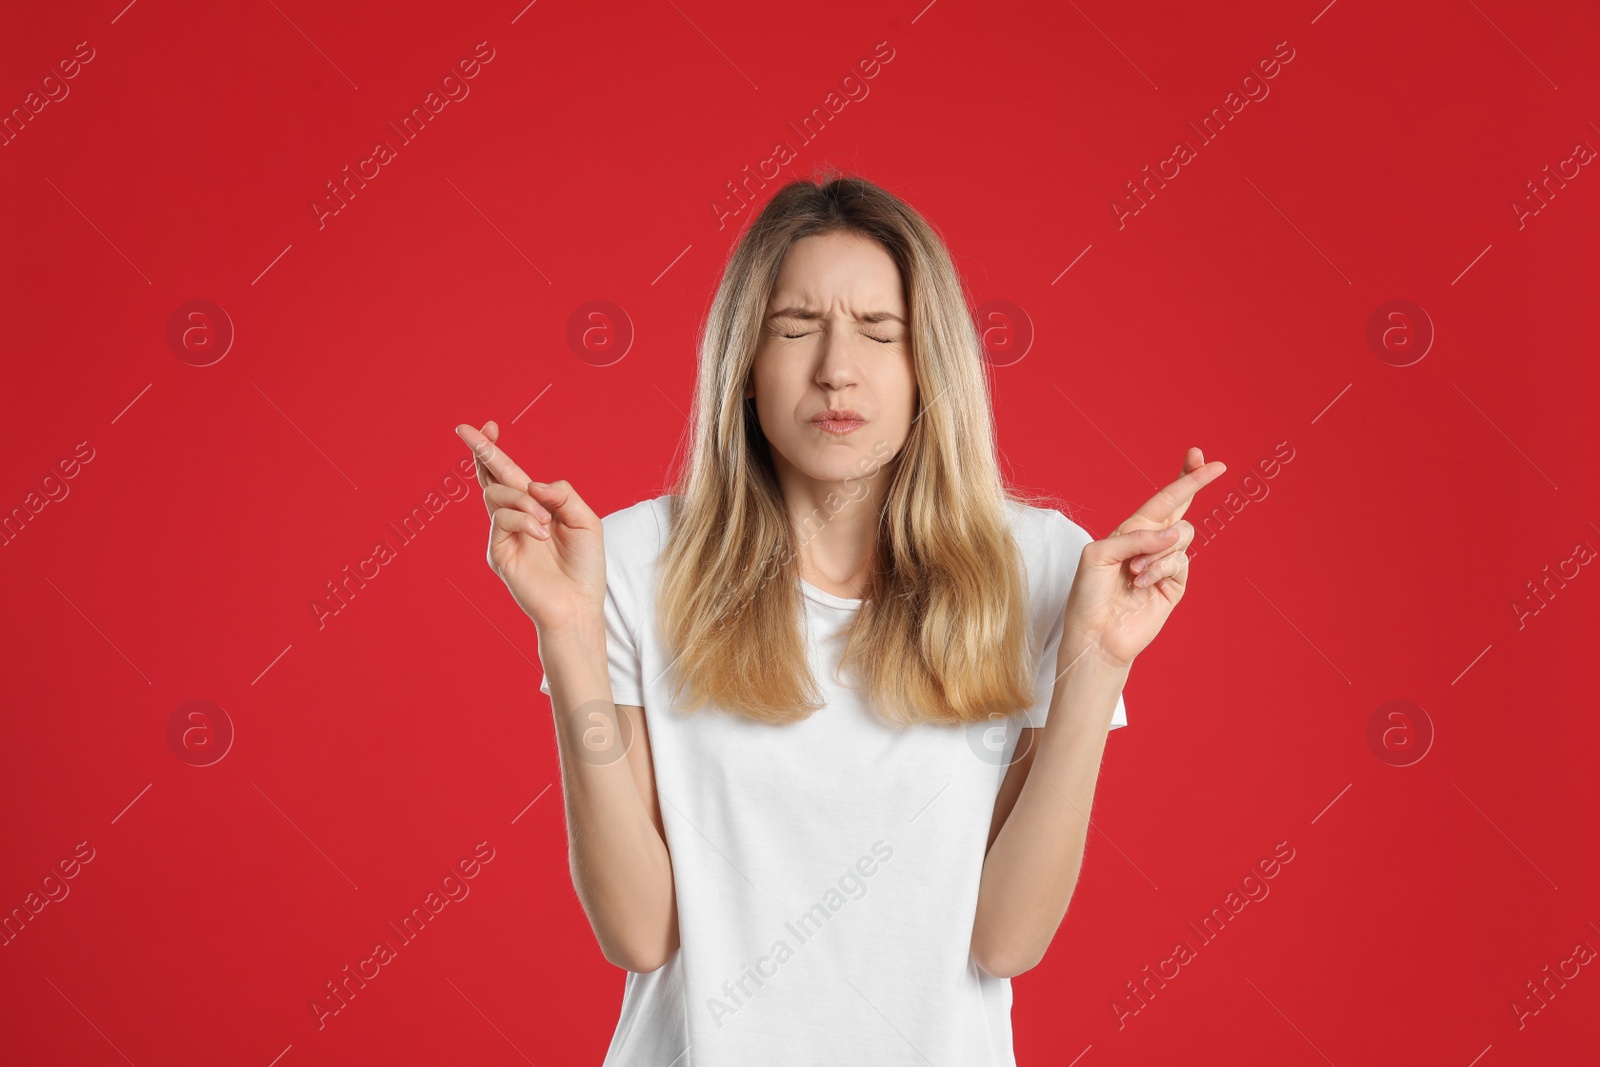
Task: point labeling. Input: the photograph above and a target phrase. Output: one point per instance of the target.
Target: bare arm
(1011, 786)
(1041, 821)
(616, 846)
(549, 548)
(1123, 592)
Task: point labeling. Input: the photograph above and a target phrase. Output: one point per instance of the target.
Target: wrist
(573, 657)
(1082, 652)
(573, 632)
(1088, 683)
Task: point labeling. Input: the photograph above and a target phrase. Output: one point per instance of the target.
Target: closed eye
(880, 340)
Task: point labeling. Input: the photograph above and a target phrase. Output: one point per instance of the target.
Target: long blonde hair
(943, 631)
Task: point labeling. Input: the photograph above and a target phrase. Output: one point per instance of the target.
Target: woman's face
(835, 338)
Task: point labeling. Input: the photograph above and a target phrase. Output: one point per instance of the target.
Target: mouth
(835, 421)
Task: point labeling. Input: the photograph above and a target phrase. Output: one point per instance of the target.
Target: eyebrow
(808, 314)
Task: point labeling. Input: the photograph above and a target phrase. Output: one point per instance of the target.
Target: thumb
(564, 504)
(1119, 548)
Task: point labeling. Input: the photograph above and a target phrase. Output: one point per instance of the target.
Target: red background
(373, 752)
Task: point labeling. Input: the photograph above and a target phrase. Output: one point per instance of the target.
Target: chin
(829, 462)
(835, 469)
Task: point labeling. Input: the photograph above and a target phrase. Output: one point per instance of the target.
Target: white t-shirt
(826, 870)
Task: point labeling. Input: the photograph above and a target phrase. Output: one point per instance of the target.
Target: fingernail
(1138, 565)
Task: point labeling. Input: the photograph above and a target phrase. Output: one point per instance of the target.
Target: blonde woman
(830, 713)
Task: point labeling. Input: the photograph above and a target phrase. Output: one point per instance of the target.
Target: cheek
(904, 386)
(774, 394)
(761, 378)
(783, 382)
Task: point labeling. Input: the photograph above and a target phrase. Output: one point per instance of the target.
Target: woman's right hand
(544, 542)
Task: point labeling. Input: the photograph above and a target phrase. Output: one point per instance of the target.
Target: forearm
(1032, 868)
(620, 866)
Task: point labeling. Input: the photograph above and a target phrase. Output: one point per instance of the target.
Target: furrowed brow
(808, 314)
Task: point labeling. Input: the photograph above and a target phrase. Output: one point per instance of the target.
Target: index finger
(1169, 504)
(491, 459)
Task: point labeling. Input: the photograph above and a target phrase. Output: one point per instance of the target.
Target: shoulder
(1051, 546)
(633, 537)
(635, 534)
(1046, 536)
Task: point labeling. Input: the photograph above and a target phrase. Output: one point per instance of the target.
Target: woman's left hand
(1129, 582)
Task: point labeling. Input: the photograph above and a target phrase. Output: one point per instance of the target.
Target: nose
(837, 367)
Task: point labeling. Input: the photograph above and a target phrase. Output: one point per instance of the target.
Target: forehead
(838, 270)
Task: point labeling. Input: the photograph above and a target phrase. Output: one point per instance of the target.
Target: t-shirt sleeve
(622, 610)
(1059, 559)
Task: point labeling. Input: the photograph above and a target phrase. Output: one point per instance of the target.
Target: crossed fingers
(1169, 504)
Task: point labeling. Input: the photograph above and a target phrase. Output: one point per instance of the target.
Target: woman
(796, 866)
